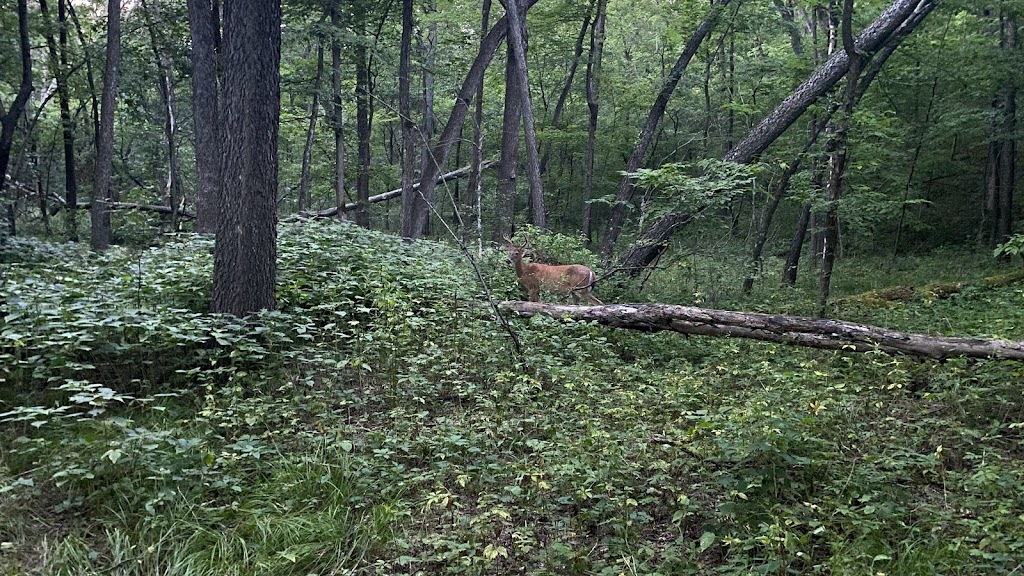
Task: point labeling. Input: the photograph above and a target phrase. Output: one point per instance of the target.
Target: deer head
(575, 279)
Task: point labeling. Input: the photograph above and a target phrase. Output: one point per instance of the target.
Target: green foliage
(693, 188)
(380, 423)
(1012, 247)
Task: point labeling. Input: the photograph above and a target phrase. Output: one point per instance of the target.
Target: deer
(576, 279)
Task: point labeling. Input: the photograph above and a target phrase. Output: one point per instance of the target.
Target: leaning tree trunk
(202, 21)
(517, 48)
(654, 117)
(452, 129)
(245, 265)
(100, 216)
(780, 328)
(900, 18)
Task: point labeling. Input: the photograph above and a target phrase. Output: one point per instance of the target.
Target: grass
(378, 424)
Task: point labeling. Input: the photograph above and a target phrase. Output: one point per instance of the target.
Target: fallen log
(137, 206)
(453, 175)
(781, 328)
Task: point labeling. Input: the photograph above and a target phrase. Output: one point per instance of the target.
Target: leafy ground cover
(381, 423)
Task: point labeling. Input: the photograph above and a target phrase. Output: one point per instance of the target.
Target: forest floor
(377, 423)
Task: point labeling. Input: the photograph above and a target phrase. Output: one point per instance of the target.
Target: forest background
(373, 418)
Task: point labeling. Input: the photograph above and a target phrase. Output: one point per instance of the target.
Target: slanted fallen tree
(811, 332)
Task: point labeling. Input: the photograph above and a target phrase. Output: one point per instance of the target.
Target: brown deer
(576, 279)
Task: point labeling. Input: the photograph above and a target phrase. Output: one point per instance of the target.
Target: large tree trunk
(245, 255)
(899, 19)
(654, 117)
(100, 216)
(781, 328)
(203, 26)
(452, 129)
(517, 49)
(509, 169)
(593, 91)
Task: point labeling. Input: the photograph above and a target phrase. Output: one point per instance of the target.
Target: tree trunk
(168, 100)
(593, 92)
(440, 150)
(789, 271)
(337, 121)
(509, 168)
(780, 328)
(517, 50)
(405, 117)
(364, 131)
(429, 58)
(89, 76)
(100, 216)
(59, 70)
(305, 199)
(203, 26)
(245, 265)
(9, 118)
(475, 185)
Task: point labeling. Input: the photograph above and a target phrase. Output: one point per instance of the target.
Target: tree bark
(511, 117)
(405, 117)
(636, 159)
(517, 49)
(440, 150)
(59, 70)
(475, 185)
(780, 328)
(305, 199)
(429, 121)
(593, 107)
(203, 26)
(100, 239)
(9, 117)
(364, 119)
(337, 121)
(245, 255)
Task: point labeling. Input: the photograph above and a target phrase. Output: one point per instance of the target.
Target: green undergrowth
(381, 422)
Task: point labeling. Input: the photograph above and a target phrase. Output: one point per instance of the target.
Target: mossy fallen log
(781, 328)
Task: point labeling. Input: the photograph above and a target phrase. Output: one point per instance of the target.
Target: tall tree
(305, 179)
(203, 25)
(59, 70)
(244, 267)
(654, 117)
(364, 115)
(337, 120)
(9, 117)
(517, 49)
(405, 116)
(1002, 162)
(168, 99)
(593, 91)
(475, 184)
(99, 211)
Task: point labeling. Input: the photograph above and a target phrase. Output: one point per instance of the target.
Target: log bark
(780, 328)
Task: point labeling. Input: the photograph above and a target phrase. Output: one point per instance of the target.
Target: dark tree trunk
(364, 130)
(100, 216)
(429, 63)
(9, 117)
(452, 129)
(305, 199)
(780, 328)
(59, 70)
(654, 117)
(509, 167)
(245, 255)
(593, 92)
(405, 117)
(796, 246)
(89, 76)
(838, 152)
(517, 50)
(203, 26)
(337, 120)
